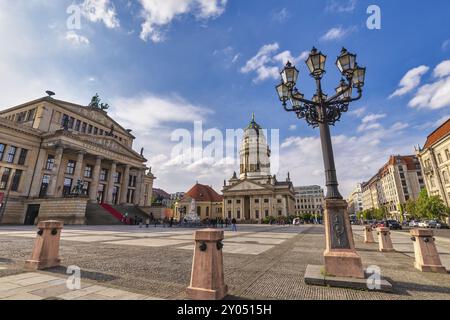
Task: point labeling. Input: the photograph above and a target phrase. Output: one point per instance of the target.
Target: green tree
(411, 208)
(431, 207)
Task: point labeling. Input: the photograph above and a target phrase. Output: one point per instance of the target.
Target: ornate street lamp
(322, 111)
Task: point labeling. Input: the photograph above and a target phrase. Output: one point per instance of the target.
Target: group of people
(220, 223)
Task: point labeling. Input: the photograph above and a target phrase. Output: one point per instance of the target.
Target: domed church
(257, 194)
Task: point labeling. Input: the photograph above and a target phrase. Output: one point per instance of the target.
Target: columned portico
(55, 172)
(124, 187)
(139, 185)
(111, 176)
(79, 167)
(93, 191)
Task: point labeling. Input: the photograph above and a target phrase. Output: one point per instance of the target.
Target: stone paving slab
(89, 238)
(237, 248)
(252, 270)
(254, 240)
(153, 242)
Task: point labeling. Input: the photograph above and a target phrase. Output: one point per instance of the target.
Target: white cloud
(358, 112)
(337, 33)
(76, 39)
(100, 10)
(267, 62)
(357, 157)
(293, 127)
(340, 6)
(281, 16)
(442, 69)
(155, 111)
(433, 96)
(410, 81)
(373, 117)
(158, 14)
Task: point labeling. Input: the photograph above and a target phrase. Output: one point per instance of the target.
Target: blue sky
(163, 64)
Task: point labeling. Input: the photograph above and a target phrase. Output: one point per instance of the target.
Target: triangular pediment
(109, 143)
(94, 114)
(247, 185)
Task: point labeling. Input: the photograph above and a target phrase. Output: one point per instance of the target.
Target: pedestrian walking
(147, 222)
(233, 225)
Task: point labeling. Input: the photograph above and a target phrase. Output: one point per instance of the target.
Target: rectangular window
(95, 130)
(5, 178)
(103, 175)
(64, 119)
(100, 132)
(50, 162)
(88, 172)
(70, 167)
(44, 186)
(2, 151)
(267, 200)
(266, 213)
(78, 125)
(238, 201)
(83, 127)
(230, 201)
(31, 114)
(439, 158)
(238, 214)
(67, 189)
(278, 200)
(256, 200)
(117, 177)
(257, 214)
(11, 154)
(16, 180)
(90, 129)
(23, 156)
(132, 181)
(71, 122)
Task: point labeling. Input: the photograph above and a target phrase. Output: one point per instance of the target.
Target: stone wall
(14, 212)
(71, 211)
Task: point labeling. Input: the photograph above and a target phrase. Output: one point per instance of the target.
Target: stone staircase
(132, 211)
(97, 215)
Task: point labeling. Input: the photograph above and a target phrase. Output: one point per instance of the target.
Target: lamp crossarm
(333, 100)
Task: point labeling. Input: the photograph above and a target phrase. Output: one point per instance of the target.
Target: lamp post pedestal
(341, 258)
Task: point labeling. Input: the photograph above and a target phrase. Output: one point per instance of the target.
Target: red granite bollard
(207, 277)
(384, 240)
(46, 247)
(368, 236)
(426, 256)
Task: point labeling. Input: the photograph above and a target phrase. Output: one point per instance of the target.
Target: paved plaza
(260, 262)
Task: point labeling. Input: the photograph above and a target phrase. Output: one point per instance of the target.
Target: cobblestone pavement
(261, 262)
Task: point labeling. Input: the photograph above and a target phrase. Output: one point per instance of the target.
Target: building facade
(55, 154)
(435, 160)
(355, 200)
(256, 194)
(209, 203)
(399, 180)
(309, 200)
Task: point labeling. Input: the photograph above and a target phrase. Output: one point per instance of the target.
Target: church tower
(254, 152)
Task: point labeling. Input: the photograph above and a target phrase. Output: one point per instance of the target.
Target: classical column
(124, 186)
(93, 189)
(112, 173)
(55, 172)
(36, 178)
(138, 189)
(77, 175)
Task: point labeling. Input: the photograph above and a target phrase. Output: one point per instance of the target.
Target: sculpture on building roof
(95, 103)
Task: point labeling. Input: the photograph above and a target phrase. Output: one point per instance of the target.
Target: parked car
(433, 224)
(394, 225)
(423, 224)
(413, 224)
(444, 225)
